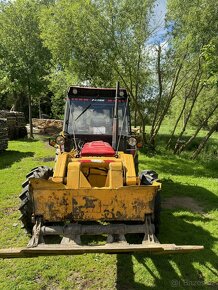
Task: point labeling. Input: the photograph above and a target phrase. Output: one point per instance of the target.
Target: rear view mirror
(52, 142)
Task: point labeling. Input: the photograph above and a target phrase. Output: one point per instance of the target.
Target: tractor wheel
(26, 206)
(157, 210)
(147, 177)
(136, 162)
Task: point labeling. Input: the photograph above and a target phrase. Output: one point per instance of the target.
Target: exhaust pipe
(115, 119)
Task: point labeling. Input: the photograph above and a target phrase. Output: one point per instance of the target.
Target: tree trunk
(204, 141)
(30, 116)
(143, 132)
(135, 117)
(198, 129)
(177, 145)
(182, 112)
(40, 113)
(159, 74)
(30, 109)
(135, 101)
(177, 121)
(172, 94)
(197, 92)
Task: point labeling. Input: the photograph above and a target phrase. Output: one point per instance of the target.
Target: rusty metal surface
(54, 202)
(71, 243)
(98, 229)
(53, 250)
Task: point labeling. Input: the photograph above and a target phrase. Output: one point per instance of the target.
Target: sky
(157, 21)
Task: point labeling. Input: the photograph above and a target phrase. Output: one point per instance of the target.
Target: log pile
(15, 123)
(47, 126)
(3, 134)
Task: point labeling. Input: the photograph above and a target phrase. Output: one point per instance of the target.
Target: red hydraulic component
(97, 148)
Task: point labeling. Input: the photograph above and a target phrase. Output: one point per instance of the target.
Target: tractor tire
(147, 177)
(136, 162)
(26, 206)
(157, 210)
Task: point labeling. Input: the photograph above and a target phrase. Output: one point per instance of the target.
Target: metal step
(120, 247)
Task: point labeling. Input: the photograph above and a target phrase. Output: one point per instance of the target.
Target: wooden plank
(53, 250)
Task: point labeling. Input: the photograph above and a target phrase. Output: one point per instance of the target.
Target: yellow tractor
(94, 188)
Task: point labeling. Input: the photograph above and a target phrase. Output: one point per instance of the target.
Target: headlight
(121, 93)
(132, 141)
(60, 140)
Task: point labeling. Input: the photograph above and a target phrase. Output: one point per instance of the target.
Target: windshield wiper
(83, 112)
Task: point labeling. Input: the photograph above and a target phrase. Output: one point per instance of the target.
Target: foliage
(59, 82)
(101, 41)
(46, 46)
(197, 100)
(24, 59)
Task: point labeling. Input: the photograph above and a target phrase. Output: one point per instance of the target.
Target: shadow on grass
(206, 199)
(171, 271)
(10, 156)
(170, 164)
(162, 140)
(43, 137)
(26, 139)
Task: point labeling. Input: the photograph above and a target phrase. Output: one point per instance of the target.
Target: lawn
(181, 177)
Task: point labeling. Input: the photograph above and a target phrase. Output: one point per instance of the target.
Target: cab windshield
(95, 116)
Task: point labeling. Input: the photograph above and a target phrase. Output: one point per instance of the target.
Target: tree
(25, 61)
(197, 99)
(101, 41)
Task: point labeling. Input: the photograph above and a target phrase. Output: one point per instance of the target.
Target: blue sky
(157, 20)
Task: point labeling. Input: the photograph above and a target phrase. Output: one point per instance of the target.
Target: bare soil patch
(10, 210)
(182, 202)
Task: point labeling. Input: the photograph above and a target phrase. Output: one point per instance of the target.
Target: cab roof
(77, 91)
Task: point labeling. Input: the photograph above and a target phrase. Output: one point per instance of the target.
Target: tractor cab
(89, 116)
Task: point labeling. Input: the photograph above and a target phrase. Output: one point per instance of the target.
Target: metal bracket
(149, 236)
(72, 240)
(37, 237)
(114, 238)
(116, 242)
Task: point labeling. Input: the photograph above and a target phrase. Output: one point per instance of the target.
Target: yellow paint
(60, 168)
(92, 188)
(115, 175)
(128, 163)
(57, 203)
(75, 177)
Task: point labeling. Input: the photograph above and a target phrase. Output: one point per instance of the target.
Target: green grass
(181, 177)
